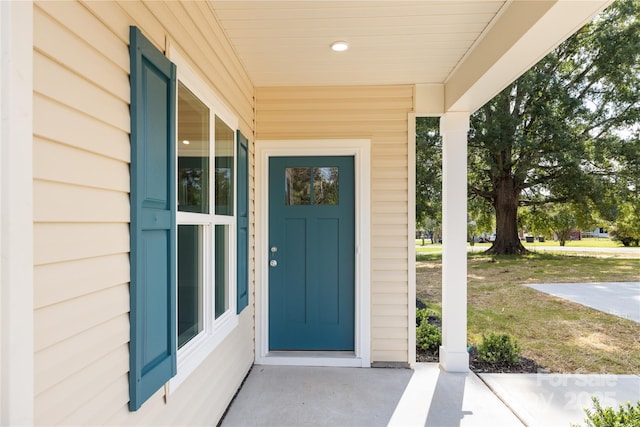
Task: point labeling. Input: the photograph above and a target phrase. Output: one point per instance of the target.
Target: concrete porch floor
(311, 396)
(426, 396)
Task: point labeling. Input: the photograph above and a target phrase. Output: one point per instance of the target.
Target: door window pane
(222, 270)
(190, 282)
(325, 186)
(297, 188)
(299, 191)
(193, 153)
(224, 168)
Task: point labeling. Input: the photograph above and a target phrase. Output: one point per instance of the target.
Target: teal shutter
(243, 223)
(153, 220)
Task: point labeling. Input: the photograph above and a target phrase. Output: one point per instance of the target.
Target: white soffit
(463, 51)
(287, 43)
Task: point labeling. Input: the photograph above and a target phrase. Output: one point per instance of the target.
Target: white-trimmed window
(206, 220)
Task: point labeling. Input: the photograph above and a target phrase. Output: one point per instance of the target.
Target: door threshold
(312, 358)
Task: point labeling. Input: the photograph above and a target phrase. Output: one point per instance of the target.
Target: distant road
(633, 251)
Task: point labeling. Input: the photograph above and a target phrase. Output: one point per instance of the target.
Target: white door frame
(361, 150)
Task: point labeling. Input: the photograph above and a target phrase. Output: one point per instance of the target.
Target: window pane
(222, 270)
(224, 168)
(297, 188)
(190, 282)
(325, 186)
(193, 153)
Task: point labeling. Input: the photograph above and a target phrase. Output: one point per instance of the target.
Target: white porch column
(16, 213)
(453, 352)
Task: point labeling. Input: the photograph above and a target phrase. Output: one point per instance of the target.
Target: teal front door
(311, 253)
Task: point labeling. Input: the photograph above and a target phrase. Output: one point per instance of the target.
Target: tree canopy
(567, 131)
(428, 171)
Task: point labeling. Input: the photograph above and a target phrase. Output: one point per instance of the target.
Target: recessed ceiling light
(186, 142)
(339, 46)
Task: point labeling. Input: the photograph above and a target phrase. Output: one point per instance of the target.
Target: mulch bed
(525, 366)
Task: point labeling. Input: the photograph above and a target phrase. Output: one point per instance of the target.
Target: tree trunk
(506, 200)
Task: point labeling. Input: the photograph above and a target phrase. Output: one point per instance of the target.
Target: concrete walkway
(437, 398)
(549, 400)
(426, 396)
(618, 298)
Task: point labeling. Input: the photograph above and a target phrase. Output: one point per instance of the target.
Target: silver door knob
(273, 263)
(274, 249)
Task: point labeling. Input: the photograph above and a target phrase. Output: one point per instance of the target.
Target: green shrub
(421, 314)
(428, 336)
(625, 416)
(424, 313)
(499, 350)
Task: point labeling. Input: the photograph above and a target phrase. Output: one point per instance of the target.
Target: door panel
(312, 253)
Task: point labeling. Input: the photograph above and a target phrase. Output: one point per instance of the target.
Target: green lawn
(591, 242)
(557, 334)
(428, 249)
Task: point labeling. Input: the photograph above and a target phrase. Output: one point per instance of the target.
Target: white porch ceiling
(286, 43)
(437, 43)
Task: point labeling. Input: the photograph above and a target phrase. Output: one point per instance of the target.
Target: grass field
(559, 335)
(591, 242)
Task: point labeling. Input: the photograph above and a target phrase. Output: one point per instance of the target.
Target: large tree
(428, 173)
(553, 136)
(429, 183)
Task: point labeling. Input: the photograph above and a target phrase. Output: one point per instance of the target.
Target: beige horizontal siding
(78, 19)
(62, 281)
(390, 231)
(388, 219)
(67, 48)
(98, 407)
(385, 150)
(191, 27)
(396, 345)
(387, 287)
(59, 402)
(84, 203)
(58, 242)
(314, 95)
(393, 322)
(328, 104)
(202, 397)
(53, 80)
(389, 276)
(391, 355)
(378, 114)
(55, 363)
(391, 263)
(391, 297)
(53, 121)
(81, 210)
(64, 320)
(384, 310)
(53, 161)
(389, 196)
(388, 254)
(391, 207)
